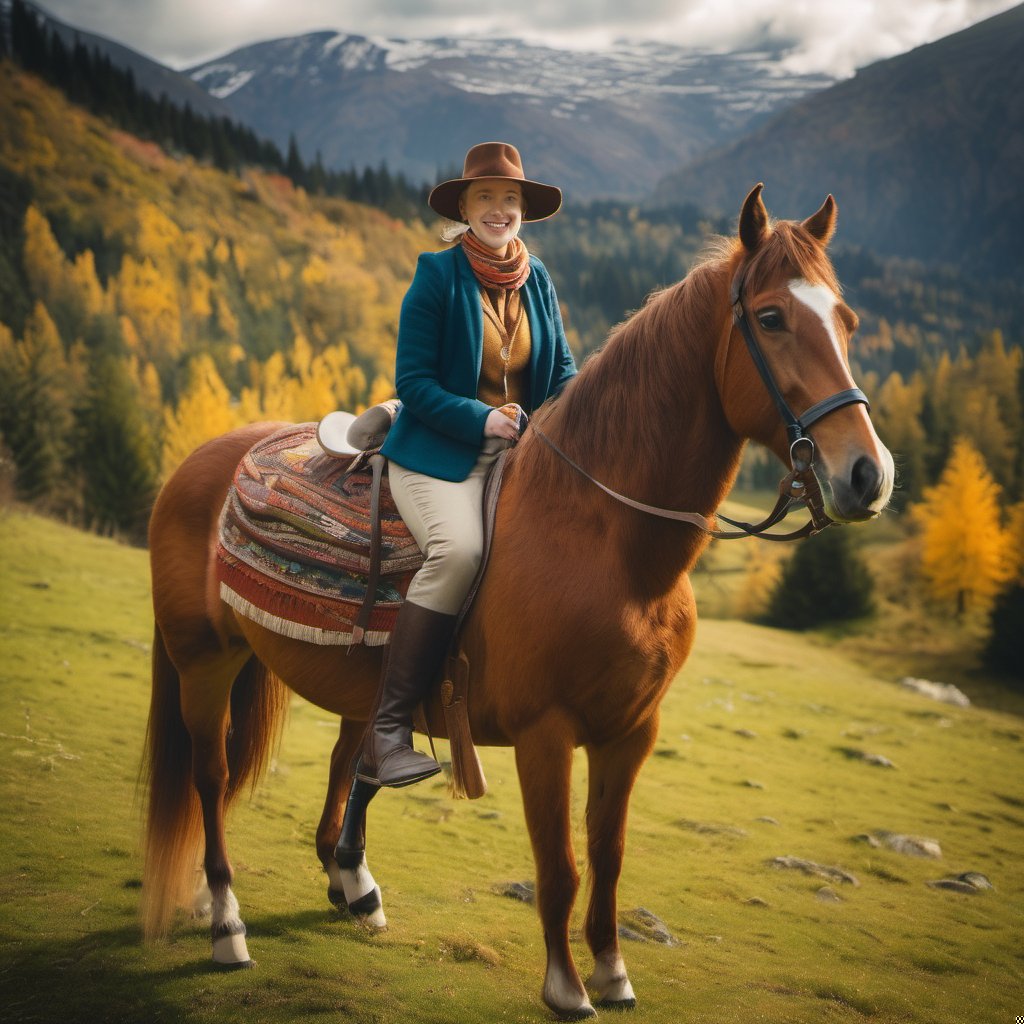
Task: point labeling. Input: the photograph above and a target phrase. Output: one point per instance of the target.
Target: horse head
(784, 287)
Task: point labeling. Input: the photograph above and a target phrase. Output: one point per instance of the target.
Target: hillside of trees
(134, 282)
(150, 300)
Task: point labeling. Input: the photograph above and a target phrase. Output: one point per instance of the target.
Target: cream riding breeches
(446, 518)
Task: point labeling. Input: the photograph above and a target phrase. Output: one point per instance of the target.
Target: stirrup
(423, 767)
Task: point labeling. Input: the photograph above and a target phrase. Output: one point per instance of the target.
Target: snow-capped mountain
(598, 123)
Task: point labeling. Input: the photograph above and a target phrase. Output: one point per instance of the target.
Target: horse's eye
(770, 320)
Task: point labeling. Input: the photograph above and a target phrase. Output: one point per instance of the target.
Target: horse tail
(259, 705)
(174, 822)
(173, 818)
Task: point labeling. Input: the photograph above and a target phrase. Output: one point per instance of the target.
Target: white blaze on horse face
(820, 299)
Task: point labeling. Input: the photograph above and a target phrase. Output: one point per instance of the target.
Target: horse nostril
(866, 479)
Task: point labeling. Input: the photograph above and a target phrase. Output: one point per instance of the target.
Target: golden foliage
(204, 412)
(764, 570)
(149, 300)
(966, 555)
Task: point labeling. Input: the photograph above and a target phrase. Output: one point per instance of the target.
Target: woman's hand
(498, 424)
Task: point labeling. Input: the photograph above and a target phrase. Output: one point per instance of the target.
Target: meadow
(773, 745)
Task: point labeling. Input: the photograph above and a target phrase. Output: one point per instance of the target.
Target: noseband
(799, 486)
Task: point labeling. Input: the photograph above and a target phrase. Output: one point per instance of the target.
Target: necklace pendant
(505, 352)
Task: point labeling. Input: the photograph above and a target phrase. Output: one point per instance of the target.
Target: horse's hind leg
(544, 761)
(206, 709)
(613, 769)
(352, 887)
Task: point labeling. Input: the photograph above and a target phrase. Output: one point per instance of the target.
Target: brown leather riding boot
(418, 645)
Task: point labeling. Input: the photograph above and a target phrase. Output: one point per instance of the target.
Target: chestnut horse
(584, 618)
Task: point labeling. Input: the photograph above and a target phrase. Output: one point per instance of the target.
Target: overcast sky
(836, 36)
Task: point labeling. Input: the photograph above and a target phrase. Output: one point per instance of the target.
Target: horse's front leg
(544, 761)
(361, 892)
(613, 769)
(346, 749)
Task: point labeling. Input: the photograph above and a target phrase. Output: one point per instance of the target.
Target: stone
(525, 892)
(648, 927)
(808, 867)
(968, 882)
(945, 692)
(909, 846)
(878, 760)
(710, 828)
(828, 895)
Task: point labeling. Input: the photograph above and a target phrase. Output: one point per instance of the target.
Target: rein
(799, 486)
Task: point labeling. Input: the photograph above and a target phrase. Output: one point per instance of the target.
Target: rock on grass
(808, 867)
(640, 925)
(945, 692)
(878, 760)
(910, 846)
(525, 892)
(968, 882)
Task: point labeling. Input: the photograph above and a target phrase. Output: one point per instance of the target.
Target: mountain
(150, 75)
(923, 153)
(599, 124)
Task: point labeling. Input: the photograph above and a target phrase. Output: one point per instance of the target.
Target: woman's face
(494, 209)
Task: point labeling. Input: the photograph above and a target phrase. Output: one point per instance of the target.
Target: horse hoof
(368, 910)
(241, 965)
(582, 1013)
(617, 1004)
(229, 949)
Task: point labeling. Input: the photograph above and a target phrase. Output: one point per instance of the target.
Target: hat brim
(542, 201)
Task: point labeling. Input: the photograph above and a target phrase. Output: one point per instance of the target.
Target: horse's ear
(753, 220)
(822, 224)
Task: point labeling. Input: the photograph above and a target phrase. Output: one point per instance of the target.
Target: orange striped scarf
(509, 272)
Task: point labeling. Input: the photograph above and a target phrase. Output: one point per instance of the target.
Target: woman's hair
(452, 230)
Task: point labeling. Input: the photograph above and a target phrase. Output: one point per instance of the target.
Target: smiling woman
(480, 344)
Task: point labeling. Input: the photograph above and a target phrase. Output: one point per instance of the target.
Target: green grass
(752, 706)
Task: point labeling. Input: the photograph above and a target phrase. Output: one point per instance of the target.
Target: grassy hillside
(757, 759)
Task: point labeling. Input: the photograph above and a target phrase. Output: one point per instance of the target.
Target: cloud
(835, 36)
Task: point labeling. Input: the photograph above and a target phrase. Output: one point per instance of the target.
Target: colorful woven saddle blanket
(294, 545)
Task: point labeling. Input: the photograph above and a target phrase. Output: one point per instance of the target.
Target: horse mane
(661, 359)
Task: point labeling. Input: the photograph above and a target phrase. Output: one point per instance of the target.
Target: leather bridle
(799, 486)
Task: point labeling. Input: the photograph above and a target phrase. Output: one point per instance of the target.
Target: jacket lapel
(472, 308)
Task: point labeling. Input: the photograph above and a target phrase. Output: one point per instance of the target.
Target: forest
(165, 278)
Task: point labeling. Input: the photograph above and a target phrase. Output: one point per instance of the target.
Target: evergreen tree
(36, 421)
(824, 581)
(116, 452)
(1005, 649)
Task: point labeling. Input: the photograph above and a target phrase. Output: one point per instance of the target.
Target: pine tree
(116, 452)
(36, 421)
(966, 554)
(824, 581)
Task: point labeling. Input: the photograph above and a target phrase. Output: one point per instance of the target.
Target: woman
(479, 329)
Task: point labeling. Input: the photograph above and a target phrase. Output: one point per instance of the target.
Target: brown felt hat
(496, 160)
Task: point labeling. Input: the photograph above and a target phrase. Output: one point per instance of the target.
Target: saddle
(311, 546)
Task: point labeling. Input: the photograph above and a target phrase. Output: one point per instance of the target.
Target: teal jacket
(440, 428)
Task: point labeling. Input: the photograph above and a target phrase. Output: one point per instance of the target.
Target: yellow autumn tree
(203, 412)
(966, 554)
(764, 570)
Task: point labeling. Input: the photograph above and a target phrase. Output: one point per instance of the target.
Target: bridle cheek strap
(800, 485)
